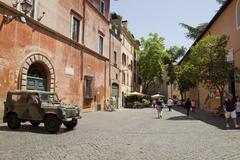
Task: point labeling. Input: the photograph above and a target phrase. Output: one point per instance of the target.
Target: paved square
(128, 135)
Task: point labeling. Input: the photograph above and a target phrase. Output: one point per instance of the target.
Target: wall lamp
(26, 7)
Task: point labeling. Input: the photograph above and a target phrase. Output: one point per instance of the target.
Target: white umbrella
(157, 96)
(135, 94)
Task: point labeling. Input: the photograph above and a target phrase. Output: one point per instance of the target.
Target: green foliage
(115, 27)
(194, 32)
(151, 59)
(174, 53)
(221, 1)
(187, 77)
(146, 102)
(114, 15)
(209, 55)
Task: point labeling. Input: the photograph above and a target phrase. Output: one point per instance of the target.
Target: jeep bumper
(71, 119)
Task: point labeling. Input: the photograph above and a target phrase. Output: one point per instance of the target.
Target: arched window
(238, 15)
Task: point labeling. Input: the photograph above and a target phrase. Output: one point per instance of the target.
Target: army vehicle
(38, 107)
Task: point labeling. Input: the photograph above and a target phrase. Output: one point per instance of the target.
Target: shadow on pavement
(181, 118)
(203, 116)
(32, 129)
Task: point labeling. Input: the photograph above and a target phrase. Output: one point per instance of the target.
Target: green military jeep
(38, 107)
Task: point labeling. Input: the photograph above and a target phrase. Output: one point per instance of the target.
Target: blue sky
(163, 17)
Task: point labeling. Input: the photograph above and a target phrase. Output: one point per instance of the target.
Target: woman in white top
(170, 104)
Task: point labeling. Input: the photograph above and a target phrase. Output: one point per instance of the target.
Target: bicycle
(108, 106)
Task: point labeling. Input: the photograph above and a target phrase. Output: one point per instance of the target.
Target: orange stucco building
(60, 46)
(225, 22)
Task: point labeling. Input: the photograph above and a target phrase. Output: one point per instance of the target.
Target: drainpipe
(83, 42)
(105, 83)
(110, 58)
(83, 36)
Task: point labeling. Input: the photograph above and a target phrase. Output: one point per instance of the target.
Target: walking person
(230, 111)
(170, 104)
(159, 108)
(188, 106)
(193, 106)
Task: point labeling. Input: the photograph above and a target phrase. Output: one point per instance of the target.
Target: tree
(221, 1)
(174, 53)
(194, 32)
(209, 57)
(151, 60)
(187, 77)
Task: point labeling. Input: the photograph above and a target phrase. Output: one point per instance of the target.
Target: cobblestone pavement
(128, 135)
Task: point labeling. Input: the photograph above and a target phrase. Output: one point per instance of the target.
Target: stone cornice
(129, 36)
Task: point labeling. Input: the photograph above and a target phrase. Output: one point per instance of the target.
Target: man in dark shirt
(230, 111)
(188, 106)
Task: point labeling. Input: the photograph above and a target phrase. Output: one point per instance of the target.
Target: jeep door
(34, 106)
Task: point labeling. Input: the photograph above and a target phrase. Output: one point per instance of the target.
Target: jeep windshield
(49, 98)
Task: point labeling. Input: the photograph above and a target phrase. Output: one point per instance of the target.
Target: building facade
(115, 67)
(129, 68)
(59, 46)
(124, 60)
(225, 22)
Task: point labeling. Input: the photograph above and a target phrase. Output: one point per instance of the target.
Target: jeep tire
(34, 124)
(70, 125)
(52, 124)
(13, 121)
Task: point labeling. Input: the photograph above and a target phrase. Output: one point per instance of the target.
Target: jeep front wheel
(13, 121)
(70, 125)
(52, 124)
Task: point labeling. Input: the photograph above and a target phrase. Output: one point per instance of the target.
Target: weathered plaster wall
(94, 27)
(115, 70)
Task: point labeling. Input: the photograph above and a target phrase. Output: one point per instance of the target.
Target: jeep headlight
(77, 109)
(63, 111)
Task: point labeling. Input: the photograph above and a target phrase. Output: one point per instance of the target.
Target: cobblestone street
(126, 134)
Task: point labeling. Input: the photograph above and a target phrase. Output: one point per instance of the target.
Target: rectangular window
(124, 59)
(102, 7)
(135, 78)
(75, 28)
(100, 45)
(31, 14)
(115, 59)
(29, 2)
(131, 65)
(123, 78)
(127, 79)
(18, 98)
(88, 87)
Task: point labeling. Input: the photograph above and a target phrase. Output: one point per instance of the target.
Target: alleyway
(128, 135)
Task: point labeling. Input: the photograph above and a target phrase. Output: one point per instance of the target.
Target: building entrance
(37, 78)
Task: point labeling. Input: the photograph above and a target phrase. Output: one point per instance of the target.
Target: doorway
(37, 77)
(115, 93)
